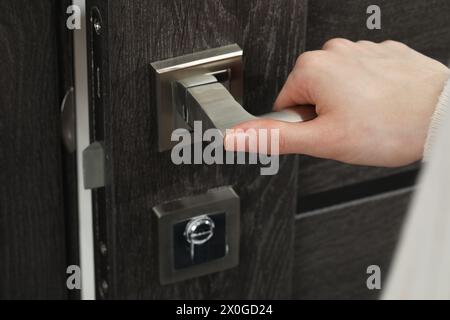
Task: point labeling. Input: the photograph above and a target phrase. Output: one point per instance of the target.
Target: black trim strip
(357, 191)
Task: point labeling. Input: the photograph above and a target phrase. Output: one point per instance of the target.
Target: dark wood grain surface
(32, 231)
(334, 246)
(69, 158)
(319, 176)
(423, 25)
(140, 32)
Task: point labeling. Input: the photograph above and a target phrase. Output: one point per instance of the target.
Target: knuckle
(265, 123)
(334, 139)
(282, 144)
(336, 43)
(365, 42)
(395, 44)
(390, 42)
(309, 59)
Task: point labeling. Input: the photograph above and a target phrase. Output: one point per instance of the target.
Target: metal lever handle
(204, 98)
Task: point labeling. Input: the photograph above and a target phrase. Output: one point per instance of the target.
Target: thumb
(293, 138)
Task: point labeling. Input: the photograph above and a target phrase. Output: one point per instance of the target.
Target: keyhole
(199, 231)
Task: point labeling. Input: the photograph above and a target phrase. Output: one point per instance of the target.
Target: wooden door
(284, 216)
(136, 33)
(309, 232)
(34, 219)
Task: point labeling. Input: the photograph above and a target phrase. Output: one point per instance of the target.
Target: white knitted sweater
(421, 268)
(437, 121)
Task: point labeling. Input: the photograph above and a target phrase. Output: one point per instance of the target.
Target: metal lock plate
(225, 61)
(198, 235)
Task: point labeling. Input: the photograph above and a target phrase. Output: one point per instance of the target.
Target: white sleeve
(439, 115)
(420, 269)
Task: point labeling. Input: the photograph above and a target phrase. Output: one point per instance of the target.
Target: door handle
(206, 86)
(203, 98)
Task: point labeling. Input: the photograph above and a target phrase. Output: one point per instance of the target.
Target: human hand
(374, 103)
